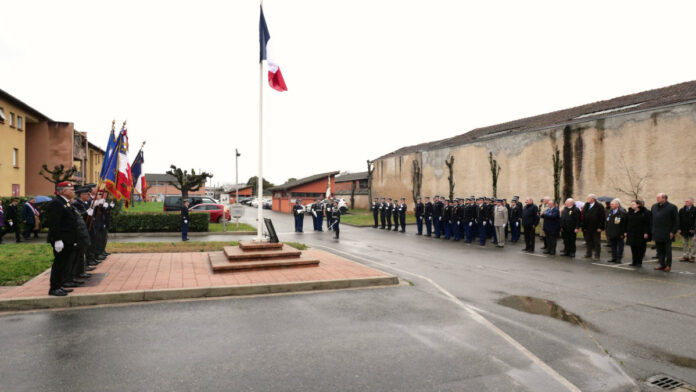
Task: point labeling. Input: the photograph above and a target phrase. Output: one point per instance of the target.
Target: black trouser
(28, 229)
(388, 220)
(103, 239)
(593, 241)
(383, 219)
(551, 240)
(396, 221)
(61, 261)
(664, 253)
(375, 214)
(617, 248)
(336, 229)
(10, 229)
(638, 251)
(79, 264)
(529, 237)
(569, 238)
(402, 218)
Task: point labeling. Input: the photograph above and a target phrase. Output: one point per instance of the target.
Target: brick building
(307, 189)
(160, 186)
(353, 185)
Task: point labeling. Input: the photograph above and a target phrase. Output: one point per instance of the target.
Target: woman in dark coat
(638, 222)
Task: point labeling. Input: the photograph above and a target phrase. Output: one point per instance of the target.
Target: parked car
(254, 202)
(217, 211)
(173, 203)
(267, 204)
(245, 200)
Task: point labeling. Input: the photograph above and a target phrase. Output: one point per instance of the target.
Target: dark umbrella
(604, 199)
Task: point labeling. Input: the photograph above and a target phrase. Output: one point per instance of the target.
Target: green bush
(157, 222)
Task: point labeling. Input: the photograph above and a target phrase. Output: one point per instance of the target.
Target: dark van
(173, 203)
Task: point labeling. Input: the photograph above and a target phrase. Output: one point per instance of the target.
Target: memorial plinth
(259, 255)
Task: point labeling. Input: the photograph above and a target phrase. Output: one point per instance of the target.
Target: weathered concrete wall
(657, 145)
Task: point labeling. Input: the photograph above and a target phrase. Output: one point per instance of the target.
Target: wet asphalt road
(595, 327)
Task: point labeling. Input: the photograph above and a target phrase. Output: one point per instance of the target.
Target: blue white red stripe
(275, 77)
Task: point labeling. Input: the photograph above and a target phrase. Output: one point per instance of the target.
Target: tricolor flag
(118, 177)
(139, 183)
(275, 78)
(110, 145)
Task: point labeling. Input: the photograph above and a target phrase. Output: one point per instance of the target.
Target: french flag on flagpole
(275, 78)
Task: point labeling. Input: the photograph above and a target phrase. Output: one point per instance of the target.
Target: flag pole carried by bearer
(276, 81)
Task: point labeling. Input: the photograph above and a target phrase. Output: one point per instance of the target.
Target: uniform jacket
(447, 213)
(500, 216)
(593, 218)
(552, 220)
(420, 209)
(428, 209)
(637, 225)
(515, 213)
(489, 209)
(530, 215)
(616, 224)
(459, 212)
(335, 214)
(570, 219)
(395, 210)
(62, 221)
(297, 209)
(82, 231)
(375, 207)
(184, 213)
(11, 214)
(687, 219)
(382, 208)
(665, 220)
(469, 213)
(481, 214)
(402, 210)
(437, 208)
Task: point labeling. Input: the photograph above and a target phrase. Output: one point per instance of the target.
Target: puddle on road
(542, 307)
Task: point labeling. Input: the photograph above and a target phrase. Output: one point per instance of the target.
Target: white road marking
(482, 320)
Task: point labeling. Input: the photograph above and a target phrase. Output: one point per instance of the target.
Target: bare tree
(634, 182)
(416, 179)
(495, 172)
(187, 182)
(58, 174)
(370, 170)
(557, 168)
(450, 178)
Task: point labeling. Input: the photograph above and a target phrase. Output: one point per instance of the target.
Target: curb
(178, 234)
(77, 300)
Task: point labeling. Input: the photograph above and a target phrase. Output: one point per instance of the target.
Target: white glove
(185, 221)
(471, 224)
(90, 211)
(112, 204)
(504, 225)
(484, 223)
(11, 223)
(517, 223)
(58, 246)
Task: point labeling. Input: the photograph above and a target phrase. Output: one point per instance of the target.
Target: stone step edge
(262, 255)
(79, 300)
(228, 265)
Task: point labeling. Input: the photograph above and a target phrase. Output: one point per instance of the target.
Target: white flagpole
(259, 178)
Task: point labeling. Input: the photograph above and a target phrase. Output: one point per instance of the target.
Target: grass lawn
(360, 217)
(21, 262)
(150, 206)
(217, 227)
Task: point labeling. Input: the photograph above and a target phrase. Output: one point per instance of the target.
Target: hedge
(157, 222)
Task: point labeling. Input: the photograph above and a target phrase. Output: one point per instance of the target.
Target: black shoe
(564, 254)
(57, 293)
(66, 290)
(84, 275)
(612, 261)
(572, 255)
(100, 258)
(185, 239)
(428, 235)
(89, 268)
(381, 228)
(546, 252)
(552, 253)
(70, 284)
(92, 263)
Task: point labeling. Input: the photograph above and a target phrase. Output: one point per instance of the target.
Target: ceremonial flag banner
(138, 173)
(275, 78)
(119, 182)
(110, 145)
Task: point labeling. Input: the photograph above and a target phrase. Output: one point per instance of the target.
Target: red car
(215, 211)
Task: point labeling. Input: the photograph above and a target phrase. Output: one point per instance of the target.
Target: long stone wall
(658, 146)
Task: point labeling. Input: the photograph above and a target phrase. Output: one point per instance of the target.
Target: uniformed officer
(62, 235)
(81, 206)
(375, 211)
(490, 229)
(298, 211)
(383, 213)
(481, 219)
(459, 220)
(469, 219)
(335, 218)
(507, 225)
(446, 219)
(318, 213)
(420, 212)
(389, 210)
(437, 216)
(428, 216)
(515, 219)
(395, 214)
(402, 214)
(328, 205)
(184, 220)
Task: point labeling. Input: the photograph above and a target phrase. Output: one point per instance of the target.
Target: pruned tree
(495, 172)
(352, 194)
(370, 170)
(416, 179)
(188, 182)
(634, 183)
(557, 169)
(450, 178)
(58, 174)
(254, 180)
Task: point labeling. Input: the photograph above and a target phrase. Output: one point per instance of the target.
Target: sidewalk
(162, 276)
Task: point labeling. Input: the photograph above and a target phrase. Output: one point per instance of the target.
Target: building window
(15, 157)
(11, 119)
(2, 115)
(20, 124)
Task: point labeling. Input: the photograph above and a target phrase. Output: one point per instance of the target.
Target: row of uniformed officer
(386, 210)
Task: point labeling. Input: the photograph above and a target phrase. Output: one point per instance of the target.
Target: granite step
(253, 245)
(236, 254)
(219, 262)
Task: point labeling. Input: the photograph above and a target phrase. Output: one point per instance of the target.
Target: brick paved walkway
(152, 271)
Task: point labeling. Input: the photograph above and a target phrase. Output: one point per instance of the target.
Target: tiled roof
(352, 177)
(302, 181)
(650, 99)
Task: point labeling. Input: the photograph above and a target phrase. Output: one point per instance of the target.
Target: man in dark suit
(383, 213)
(428, 216)
(12, 219)
(29, 216)
(375, 211)
(552, 226)
(593, 218)
(665, 223)
(570, 224)
(184, 220)
(62, 235)
(420, 212)
(530, 220)
(298, 211)
(616, 230)
(687, 220)
(437, 215)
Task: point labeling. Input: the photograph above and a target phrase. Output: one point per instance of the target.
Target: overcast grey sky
(364, 77)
